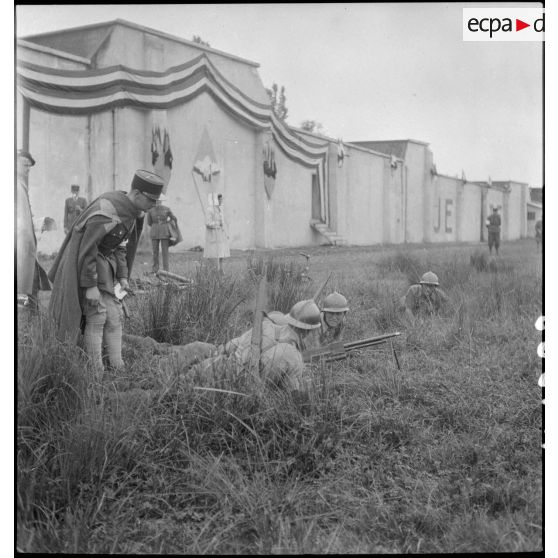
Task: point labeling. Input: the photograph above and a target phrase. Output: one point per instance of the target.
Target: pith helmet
(429, 278)
(335, 302)
(304, 315)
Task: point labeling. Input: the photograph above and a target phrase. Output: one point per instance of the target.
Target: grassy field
(442, 456)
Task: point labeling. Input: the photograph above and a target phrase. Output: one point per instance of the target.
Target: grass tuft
(442, 456)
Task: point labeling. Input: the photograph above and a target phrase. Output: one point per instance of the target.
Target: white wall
(471, 213)
(444, 209)
(291, 204)
(234, 146)
(364, 197)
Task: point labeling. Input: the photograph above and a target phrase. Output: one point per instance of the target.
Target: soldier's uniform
(426, 298)
(329, 334)
(421, 301)
(73, 207)
(95, 254)
(30, 276)
(158, 218)
(281, 349)
(494, 223)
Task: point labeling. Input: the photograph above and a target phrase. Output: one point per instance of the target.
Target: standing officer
(158, 218)
(73, 206)
(94, 258)
(30, 275)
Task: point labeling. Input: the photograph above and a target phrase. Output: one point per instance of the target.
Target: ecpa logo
(503, 24)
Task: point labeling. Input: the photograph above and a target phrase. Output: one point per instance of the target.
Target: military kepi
(148, 183)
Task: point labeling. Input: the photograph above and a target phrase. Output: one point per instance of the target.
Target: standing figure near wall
(73, 206)
(159, 218)
(93, 263)
(216, 238)
(494, 224)
(30, 276)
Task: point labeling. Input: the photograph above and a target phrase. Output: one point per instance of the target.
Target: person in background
(30, 276)
(426, 298)
(92, 266)
(494, 223)
(216, 238)
(158, 218)
(73, 206)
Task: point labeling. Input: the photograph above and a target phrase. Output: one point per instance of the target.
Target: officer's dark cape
(66, 302)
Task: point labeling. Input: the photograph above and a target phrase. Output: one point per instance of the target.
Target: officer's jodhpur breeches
(103, 327)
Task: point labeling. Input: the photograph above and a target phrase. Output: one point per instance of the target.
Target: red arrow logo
(519, 25)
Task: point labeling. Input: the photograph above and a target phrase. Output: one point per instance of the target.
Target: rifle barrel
(371, 341)
(169, 275)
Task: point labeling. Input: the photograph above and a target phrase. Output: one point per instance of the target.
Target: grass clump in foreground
(443, 456)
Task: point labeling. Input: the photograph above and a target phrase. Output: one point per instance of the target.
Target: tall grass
(67, 444)
(198, 311)
(287, 281)
(442, 456)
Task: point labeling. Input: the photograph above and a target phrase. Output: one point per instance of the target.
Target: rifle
(321, 288)
(338, 350)
(168, 275)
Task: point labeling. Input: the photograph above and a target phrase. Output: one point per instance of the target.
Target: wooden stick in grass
(256, 342)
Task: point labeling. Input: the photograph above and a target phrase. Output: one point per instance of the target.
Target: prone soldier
(424, 298)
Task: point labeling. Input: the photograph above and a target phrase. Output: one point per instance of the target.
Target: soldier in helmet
(292, 328)
(332, 318)
(284, 337)
(425, 298)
